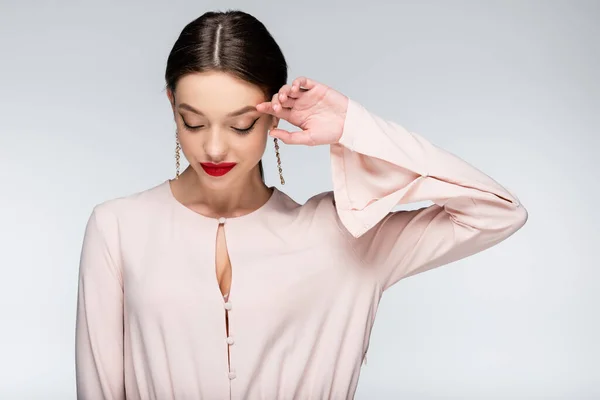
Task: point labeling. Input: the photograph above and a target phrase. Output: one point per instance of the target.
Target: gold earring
(278, 161)
(177, 156)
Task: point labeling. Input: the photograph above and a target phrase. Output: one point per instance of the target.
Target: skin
(213, 112)
(206, 101)
(318, 110)
(215, 95)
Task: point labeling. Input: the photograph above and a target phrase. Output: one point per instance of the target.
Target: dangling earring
(278, 161)
(177, 156)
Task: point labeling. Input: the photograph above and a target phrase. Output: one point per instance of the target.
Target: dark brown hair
(231, 41)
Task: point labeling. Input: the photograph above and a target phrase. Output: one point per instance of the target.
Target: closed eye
(193, 128)
(248, 129)
(239, 130)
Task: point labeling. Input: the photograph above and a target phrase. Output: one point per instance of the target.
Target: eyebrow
(241, 111)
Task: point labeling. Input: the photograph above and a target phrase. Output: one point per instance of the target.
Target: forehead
(217, 92)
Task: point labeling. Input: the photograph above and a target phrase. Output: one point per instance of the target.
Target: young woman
(213, 285)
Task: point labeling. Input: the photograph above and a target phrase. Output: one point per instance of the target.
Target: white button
(228, 305)
(222, 220)
(231, 375)
(230, 340)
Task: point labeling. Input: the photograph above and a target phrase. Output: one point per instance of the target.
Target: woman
(213, 285)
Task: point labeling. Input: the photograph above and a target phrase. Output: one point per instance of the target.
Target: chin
(217, 182)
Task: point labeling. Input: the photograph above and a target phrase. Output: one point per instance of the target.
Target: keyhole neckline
(252, 214)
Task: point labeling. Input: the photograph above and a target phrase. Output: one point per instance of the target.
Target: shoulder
(319, 209)
(321, 202)
(141, 202)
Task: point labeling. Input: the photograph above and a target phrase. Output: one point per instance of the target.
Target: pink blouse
(306, 279)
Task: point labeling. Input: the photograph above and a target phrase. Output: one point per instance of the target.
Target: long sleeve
(378, 165)
(99, 326)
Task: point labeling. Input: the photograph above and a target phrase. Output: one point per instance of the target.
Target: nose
(215, 146)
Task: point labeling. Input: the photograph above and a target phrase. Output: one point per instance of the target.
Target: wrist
(341, 117)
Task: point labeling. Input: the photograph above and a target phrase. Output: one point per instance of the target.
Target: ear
(171, 98)
(275, 122)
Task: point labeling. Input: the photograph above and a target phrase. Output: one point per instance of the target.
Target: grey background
(510, 86)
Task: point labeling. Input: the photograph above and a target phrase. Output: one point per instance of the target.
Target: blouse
(306, 279)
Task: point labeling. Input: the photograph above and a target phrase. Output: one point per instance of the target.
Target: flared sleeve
(378, 165)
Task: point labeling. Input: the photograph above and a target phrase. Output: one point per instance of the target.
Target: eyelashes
(248, 129)
(242, 131)
(191, 128)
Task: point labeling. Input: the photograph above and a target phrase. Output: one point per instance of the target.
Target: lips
(219, 169)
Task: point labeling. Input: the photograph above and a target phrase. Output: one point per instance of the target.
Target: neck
(235, 200)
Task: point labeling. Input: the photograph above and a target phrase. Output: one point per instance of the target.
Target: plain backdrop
(512, 87)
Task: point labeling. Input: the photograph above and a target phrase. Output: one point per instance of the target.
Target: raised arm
(377, 165)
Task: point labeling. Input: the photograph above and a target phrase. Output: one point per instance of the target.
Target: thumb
(299, 137)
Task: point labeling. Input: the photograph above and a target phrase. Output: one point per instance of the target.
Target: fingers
(286, 97)
(274, 107)
(285, 93)
(280, 105)
(283, 101)
(300, 137)
(280, 100)
(302, 82)
(278, 108)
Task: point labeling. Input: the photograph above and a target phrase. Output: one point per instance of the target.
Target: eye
(248, 129)
(188, 126)
(191, 128)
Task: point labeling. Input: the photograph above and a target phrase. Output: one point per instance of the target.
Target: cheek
(190, 144)
(256, 141)
(184, 139)
(252, 147)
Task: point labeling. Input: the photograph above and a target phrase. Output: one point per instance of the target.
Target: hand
(315, 108)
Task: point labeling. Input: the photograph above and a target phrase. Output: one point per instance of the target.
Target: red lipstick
(219, 169)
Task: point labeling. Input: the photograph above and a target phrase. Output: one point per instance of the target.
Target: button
(222, 220)
(231, 375)
(230, 340)
(228, 306)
